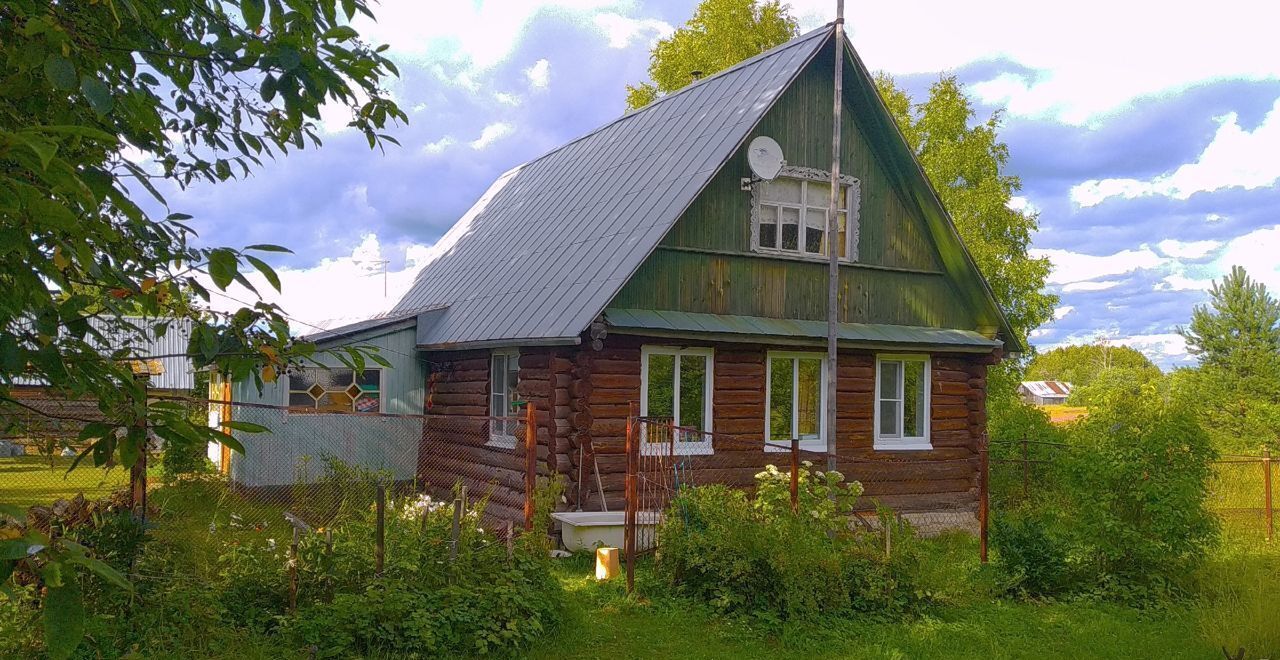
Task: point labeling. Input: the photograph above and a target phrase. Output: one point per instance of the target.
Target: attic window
(789, 215)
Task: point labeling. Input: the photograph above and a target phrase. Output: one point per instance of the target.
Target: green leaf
(98, 94)
(253, 11)
(223, 267)
(349, 8)
(82, 131)
(247, 427)
(102, 570)
(14, 511)
(43, 149)
(340, 33)
(288, 58)
(267, 247)
(63, 620)
(60, 72)
(15, 549)
(268, 89)
(266, 270)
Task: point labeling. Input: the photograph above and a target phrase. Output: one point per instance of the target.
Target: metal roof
(176, 372)
(363, 329)
(1047, 388)
(552, 241)
(751, 328)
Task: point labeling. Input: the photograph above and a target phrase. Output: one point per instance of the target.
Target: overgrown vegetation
(212, 578)
(754, 556)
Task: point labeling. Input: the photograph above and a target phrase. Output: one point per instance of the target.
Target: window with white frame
(794, 405)
(902, 402)
(790, 215)
(675, 385)
(504, 374)
(321, 389)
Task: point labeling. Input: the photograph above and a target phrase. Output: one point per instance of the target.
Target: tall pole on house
(833, 236)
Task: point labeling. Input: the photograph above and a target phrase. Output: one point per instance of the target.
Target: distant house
(47, 415)
(1044, 392)
(643, 263)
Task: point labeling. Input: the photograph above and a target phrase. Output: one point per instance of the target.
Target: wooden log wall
(455, 441)
(604, 383)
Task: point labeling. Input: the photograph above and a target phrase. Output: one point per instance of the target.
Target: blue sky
(1147, 136)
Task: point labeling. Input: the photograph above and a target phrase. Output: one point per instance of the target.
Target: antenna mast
(833, 247)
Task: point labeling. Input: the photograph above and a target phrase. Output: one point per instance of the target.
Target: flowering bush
(755, 556)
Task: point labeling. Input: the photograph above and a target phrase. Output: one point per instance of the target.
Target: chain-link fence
(292, 471)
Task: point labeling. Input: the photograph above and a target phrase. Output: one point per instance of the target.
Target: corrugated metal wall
(383, 443)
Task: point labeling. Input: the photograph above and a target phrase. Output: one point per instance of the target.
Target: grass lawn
(602, 623)
(29, 480)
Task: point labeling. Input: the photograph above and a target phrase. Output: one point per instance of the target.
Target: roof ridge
(637, 112)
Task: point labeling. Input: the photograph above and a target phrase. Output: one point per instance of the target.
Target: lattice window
(317, 389)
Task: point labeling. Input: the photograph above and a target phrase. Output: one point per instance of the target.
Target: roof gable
(552, 241)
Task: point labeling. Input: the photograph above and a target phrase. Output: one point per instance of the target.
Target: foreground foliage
(756, 557)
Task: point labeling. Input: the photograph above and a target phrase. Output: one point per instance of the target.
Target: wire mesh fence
(1241, 489)
(465, 483)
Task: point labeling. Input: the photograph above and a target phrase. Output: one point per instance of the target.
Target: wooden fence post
(456, 531)
(795, 474)
(293, 571)
(379, 541)
(138, 472)
(530, 462)
(1266, 492)
(984, 494)
(511, 538)
(629, 528)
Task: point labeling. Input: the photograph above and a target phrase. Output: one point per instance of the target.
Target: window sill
(902, 445)
(777, 447)
(501, 442)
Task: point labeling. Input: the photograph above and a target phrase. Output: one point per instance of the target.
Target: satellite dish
(764, 156)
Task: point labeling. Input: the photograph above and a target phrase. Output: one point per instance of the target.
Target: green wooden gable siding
(705, 263)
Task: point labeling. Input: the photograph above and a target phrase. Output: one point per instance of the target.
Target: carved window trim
(853, 200)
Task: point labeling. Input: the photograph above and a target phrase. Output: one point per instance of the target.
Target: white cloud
(1020, 203)
(439, 145)
(492, 133)
(477, 34)
(1074, 267)
(507, 99)
(1258, 252)
(1062, 312)
(622, 30)
(539, 74)
(1095, 57)
(1235, 157)
(1090, 286)
(308, 295)
(1166, 348)
(1187, 249)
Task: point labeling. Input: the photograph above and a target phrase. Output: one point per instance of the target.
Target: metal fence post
(984, 478)
(795, 474)
(1266, 492)
(530, 462)
(1026, 468)
(629, 528)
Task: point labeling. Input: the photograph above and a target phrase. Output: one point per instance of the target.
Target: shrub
(1032, 555)
(1139, 488)
(479, 602)
(756, 557)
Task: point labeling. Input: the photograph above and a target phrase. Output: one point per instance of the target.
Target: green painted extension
(912, 269)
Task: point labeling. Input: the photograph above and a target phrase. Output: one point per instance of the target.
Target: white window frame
(498, 436)
(703, 446)
(302, 410)
(852, 203)
(810, 444)
(901, 442)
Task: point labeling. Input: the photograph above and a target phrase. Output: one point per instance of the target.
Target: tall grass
(1239, 604)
